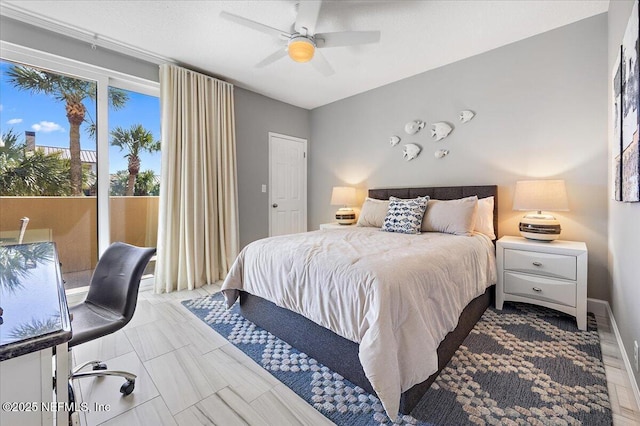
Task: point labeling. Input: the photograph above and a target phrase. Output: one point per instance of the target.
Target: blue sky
(23, 111)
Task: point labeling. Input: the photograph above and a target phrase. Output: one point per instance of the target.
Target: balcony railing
(71, 222)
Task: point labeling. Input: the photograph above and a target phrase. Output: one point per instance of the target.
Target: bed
(327, 339)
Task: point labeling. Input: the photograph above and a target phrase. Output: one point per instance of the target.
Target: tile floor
(190, 375)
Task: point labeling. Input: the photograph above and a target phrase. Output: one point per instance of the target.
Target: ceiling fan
(303, 42)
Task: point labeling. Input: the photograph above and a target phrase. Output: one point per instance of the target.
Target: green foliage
(33, 174)
(63, 89)
(72, 92)
(10, 145)
(134, 140)
(118, 185)
(146, 184)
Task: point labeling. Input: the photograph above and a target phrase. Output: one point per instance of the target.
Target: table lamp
(540, 195)
(344, 196)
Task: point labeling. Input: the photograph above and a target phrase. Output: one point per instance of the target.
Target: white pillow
(484, 219)
(451, 216)
(373, 212)
(405, 216)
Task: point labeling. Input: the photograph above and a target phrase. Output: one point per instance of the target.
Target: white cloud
(15, 121)
(47, 127)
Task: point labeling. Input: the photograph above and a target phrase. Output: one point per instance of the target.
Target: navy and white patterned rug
(524, 365)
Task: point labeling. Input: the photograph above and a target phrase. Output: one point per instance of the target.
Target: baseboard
(602, 308)
(598, 307)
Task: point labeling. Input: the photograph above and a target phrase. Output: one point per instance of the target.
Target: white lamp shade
(541, 195)
(343, 196)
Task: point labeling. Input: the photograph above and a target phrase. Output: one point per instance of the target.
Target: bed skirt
(340, 354)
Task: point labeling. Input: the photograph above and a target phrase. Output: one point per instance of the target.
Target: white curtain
(198, 217)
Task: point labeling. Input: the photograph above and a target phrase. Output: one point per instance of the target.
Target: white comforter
(397, 295)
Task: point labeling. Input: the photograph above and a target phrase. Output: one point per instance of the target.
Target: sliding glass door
(79, 158)
(134, 171)
(48, 164)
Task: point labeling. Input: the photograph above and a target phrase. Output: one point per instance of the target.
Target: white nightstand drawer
(551, 265)
(540, 288)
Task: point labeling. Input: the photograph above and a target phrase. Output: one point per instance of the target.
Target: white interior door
(287, 184)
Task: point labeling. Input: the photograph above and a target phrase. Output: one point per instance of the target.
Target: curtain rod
(40, 21)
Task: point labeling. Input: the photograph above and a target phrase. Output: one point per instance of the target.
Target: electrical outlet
(635, 354)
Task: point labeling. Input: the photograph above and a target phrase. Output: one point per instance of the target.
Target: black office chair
(109, 306)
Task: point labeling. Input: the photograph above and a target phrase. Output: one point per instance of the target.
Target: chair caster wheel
(127, 387)
(101, 366)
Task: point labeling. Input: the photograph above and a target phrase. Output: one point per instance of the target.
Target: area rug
(524, 365)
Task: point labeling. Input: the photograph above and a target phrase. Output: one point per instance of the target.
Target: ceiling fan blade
(254, 25)
(346, 38)
(278, 54)
(307, 16)
(320, 63)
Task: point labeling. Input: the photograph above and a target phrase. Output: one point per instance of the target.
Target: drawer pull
(537, 264)
(537, 289)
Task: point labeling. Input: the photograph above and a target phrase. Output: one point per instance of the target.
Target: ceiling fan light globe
(301, 49)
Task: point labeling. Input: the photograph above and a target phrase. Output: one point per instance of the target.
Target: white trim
(597, 307)
(603, 308)
(94, 39)
(38, 58)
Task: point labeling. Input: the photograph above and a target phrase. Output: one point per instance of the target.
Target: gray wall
(29, 36)
(256, 116)
(624, 221)
(541, 113)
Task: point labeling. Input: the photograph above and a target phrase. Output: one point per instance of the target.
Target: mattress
(396, 295)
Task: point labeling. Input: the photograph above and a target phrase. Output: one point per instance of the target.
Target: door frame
(304, 174)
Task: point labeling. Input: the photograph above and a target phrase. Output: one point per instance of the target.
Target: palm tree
(118, 185)
(147, 184)
(73, 92)
(35, 174)
(10, 145)
(135, 139)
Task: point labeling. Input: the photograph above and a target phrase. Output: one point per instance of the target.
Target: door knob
(274, 205)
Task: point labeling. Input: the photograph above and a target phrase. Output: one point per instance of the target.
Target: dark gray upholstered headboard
(442, 193)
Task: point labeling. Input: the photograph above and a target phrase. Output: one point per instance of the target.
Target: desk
(35, 322)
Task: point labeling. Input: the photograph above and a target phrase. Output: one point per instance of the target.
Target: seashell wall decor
(410, 151)
(466, 116)
(394, 140)
(414, 127)
(440, 130)
(441, 153)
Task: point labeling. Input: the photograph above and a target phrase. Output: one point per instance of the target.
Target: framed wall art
(630, 110)
(616, 147)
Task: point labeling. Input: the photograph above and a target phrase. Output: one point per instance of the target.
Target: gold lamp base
(345, 216)
(541, 227)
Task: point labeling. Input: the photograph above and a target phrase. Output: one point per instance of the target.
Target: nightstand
(335, 225)
(551, 274)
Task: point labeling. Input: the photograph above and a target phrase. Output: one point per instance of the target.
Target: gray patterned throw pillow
(405, 216)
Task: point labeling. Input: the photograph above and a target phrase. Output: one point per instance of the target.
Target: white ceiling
(416, 36)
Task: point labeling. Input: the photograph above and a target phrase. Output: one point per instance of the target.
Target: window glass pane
(134, 169)
(48, 165)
